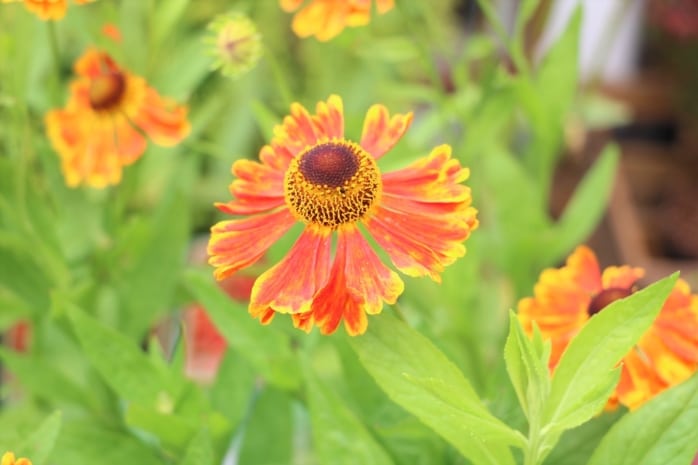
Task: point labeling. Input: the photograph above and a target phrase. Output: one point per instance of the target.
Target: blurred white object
(610, 38)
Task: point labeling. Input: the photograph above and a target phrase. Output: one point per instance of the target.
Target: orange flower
(567, 297)
(311, 174)
(101, 128)
(8, 458)
(48, 9)
(325, 19)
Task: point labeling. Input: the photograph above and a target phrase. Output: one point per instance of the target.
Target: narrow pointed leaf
(583, 375)
(421, 379)
(661, 432)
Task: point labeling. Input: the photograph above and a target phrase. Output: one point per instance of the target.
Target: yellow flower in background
(103, 126)
(8, 458)
(325, 19)
(310, 174)
(48, 9)
(236, 44)
(565, 298)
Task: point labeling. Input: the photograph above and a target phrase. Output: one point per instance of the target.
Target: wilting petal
(289, 286)
(236, 244)
(358, 284)
(381, 132)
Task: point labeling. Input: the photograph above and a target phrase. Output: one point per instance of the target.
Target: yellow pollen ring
(332, 183)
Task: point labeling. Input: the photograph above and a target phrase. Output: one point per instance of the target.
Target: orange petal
(322, 19)
(94, 63)
(638, 382)
(381, 132)
(289, 286)
(162, 120)
(420, 245)
(582, 268)
(383, 6)
(358, 284)
(623, 277)
(236, 244)
(47, 9)
(434, 178)
(258, 188)
(329, 119)
(290, 5)
(296, 133)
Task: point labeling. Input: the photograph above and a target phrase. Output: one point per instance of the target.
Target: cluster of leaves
(95, 271)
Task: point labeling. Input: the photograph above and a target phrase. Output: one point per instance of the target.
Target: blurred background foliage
(101, 275)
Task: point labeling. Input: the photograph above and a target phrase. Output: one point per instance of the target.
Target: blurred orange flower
(8, 458)
(48, 9)
(325, 19)
(310, 174)
(565, 298)
(102, 127)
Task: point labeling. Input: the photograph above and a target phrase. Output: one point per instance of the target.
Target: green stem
(514, 52)
(398, 312)
(281, 84)
(533, 445)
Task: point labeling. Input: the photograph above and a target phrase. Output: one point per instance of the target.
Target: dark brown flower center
(607, 297)
(332, 183)
(106, 90)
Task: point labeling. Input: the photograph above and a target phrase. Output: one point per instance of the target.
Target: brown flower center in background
(106, 90)
(607, 297)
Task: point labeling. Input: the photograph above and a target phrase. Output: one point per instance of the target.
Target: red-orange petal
(329, 118)
(417, 245)
(289, 286)
(236, 244)
(358, 284)
(381, 132)
(257, 188)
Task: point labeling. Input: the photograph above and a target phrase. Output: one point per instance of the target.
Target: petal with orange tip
(358, 284)
(236, 244)
(289, 286)
(381, 132)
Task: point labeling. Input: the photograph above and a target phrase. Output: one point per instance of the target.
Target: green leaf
(89, 443)
(233, 387)
(587, 370)
(44, 380)
(175, 431)
(577, 445)
(586, 206)
(267, 438)
(120, 362)
(168, 13)
(147, 285)
(268, 350)
(200, 450)
(421, 379)
(339, 437)
(661, 432)
(40, 443)
(527, 365)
